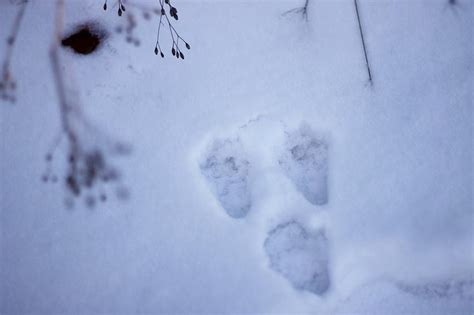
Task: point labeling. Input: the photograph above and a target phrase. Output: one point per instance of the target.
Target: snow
(299, 256)
(394, 195)
(226, 168)
(306, 163)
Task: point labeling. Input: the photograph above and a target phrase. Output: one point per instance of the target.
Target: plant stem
(363, 41)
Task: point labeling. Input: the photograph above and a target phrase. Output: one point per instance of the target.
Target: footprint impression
(297, 253)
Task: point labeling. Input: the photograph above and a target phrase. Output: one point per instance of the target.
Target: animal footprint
(226, 170)
(305, 162)
(300, 256)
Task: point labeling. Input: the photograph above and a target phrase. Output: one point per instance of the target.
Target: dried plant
(164, 11)
(363, 42)
(7, 82)
(300, 10)
(88, 169)
(304, 14)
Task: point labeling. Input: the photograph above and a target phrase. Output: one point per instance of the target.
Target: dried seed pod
(181, 55)
(163, 11)
(173, 51)
(120, 12)
(122, 7)
(156, 50)
(187, 46)
(162, 55)
(105, 6)
(173, 11)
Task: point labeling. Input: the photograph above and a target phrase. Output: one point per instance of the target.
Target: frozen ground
(266, 176)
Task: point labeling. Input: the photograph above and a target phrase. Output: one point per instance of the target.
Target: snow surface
(399, 213)
(227, 170)
(299, 256)
(306, 162)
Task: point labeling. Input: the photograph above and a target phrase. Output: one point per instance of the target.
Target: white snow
(227, 170)
(394, 196)
(306, 162)
(299, 256)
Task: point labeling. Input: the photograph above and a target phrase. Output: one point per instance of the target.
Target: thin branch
(7, 82)
(363, 41)
(87, 164)
(162, 12)
(157, 47)
(301, 10)
(58, 74)
(175, 37)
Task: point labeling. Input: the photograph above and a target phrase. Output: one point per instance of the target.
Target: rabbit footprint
(305, 162)
(300, 256)
(226, 170)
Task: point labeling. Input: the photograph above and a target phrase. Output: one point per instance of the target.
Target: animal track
(300, 256)
(305, 162)
(295, 252)
(463, 289)
(226, 169)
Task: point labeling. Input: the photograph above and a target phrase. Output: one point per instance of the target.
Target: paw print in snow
(295, 252)
(300, 256)
(305, 162)
(226, 170)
